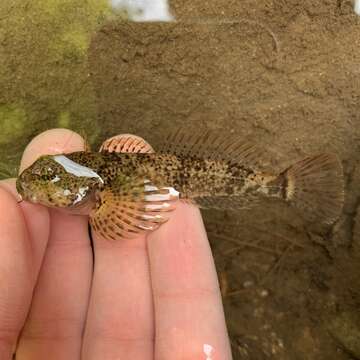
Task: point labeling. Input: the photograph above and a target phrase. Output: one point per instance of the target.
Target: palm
(153, 297)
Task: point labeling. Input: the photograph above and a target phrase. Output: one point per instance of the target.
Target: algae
(44, 66)
(12, 122)
(64, 120)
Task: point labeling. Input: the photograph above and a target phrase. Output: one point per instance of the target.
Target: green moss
(72, 44)
(64, 119)
(100, 8)
(87, 12)
(12, 122)
(44, 67)
(78, 22)
(49, 7)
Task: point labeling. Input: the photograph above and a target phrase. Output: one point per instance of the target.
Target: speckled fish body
(192, 177)
(127, 193)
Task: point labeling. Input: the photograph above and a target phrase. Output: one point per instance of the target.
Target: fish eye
(41, 173)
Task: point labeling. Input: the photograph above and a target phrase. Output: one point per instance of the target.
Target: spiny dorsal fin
(126, 143)
(213, 146)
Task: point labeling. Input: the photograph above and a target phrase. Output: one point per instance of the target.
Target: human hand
(152, 297)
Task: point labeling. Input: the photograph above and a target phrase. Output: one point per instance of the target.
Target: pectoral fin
(130, 213)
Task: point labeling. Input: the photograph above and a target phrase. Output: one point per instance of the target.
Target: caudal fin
(315, 186)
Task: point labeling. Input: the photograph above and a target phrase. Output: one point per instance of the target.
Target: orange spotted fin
(126, 143)
(131, 209)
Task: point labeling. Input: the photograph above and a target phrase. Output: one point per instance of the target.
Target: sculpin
(126, 193)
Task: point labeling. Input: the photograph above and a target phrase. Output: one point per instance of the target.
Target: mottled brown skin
(36, 184)
(191, 176)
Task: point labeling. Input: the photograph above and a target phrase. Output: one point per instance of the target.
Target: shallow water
(284, 75)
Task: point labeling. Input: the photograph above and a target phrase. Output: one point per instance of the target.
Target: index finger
(22, 244)
(189, 316)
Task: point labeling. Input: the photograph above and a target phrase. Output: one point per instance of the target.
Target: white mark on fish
(146, 227)
(172, 194)
(357, 7)
(157, 197)
(152, 217)
(150, 188)
(76, 169)
(208, 351)
(157, 207)
(55, 179)
(81, 194)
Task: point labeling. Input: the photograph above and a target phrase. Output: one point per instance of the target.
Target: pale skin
(155, 297)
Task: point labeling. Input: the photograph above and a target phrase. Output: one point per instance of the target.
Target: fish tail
(315, 186)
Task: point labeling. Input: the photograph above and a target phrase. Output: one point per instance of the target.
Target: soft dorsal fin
(213, 146)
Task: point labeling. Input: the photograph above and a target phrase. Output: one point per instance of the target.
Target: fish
(127, 188)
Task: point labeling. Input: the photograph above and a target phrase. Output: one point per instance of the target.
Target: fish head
(48, 182)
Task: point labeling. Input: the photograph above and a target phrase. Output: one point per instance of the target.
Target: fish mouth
(24, 193)
(19, 187)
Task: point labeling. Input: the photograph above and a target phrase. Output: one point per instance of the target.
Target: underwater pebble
(264, 293)
(247, 284)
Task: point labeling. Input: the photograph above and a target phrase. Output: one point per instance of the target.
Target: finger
(120, 317)
(189, 317)
(37, 221)
(23, 235)
(58, 310)
(54, 141)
